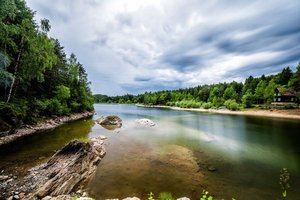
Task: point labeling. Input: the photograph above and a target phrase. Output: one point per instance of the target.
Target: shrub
(165, 196)
(231, 105)
(55, 107)
(207, 105)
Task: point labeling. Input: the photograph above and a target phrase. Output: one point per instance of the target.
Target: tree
(269, 91)
(285, 76)
(295, 80)
(247, 99)
(259, 91)
(45, 25)
(204, 93)
(36, 78)
(62, 92)
(230, 94)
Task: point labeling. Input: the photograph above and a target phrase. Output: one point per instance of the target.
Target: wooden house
(285, 96)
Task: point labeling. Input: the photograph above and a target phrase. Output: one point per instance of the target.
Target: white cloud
(132, 46)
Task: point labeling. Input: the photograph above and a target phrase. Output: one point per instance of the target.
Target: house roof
(287, 93)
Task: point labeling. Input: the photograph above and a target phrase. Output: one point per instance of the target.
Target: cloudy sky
(132, 46)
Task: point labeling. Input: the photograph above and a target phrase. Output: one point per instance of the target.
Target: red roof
(289, 93)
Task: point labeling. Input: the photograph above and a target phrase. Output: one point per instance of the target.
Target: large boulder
(110, 122)
(67, 169)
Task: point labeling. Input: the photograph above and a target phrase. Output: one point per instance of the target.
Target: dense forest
(37, 78)
(232, 95)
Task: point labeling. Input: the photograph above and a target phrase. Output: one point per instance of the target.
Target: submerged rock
(70, 167)
(212, 169)
(145, 122)
(110, 122)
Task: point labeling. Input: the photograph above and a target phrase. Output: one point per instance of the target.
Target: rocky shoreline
(43, 126)
(66, 172)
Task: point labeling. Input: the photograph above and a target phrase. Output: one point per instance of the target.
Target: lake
(186, 152)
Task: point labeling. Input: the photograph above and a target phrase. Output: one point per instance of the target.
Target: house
(284, 96)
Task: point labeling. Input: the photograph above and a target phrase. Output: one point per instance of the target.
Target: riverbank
(275, 113)
(67, 171)
(43, 126)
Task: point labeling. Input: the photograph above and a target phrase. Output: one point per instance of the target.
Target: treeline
(37, 78)
(231, 95)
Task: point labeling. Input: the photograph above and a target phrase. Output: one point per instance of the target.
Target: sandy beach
(276, 113)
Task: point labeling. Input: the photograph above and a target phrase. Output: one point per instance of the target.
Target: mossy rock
(110, 120)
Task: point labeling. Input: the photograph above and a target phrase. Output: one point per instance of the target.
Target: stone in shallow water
(145, 122)
(131, 198)
(212, 169)
(110, 122)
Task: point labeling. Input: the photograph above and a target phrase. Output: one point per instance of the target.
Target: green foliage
(285, 76)
(259, 90)
(231, 105)
(269, 91)
(150, 196)
(62, 92)
(186, 104)
(284, 178)
(294, 82)
(247, 99)
(206, 196)
(165, 196)
(86, 198)
(207, 105)
(230, 93)
(37, 79)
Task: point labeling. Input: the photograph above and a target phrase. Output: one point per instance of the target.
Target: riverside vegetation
(233, 96)
(37, 78)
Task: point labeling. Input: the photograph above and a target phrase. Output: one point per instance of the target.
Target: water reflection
(31, 150)
(247, 151)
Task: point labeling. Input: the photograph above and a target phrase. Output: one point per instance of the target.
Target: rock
(102, 137)
(84, 194)
(47, 198)
(145, 122)
(9, 180)
(16, 197)
(183, 198)
(110, 120)
(131, 198)
(68, 168)
(22, 195)
(212, 169)
(62, 197)
(79, 192)
(3, 178)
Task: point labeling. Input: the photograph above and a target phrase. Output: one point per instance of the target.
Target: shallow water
(174, 156)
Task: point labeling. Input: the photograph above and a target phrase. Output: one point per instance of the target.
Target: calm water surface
(174, 156)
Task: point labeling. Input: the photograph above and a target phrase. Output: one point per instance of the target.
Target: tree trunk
(15, 71)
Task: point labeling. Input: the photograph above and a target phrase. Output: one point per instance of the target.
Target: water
(174, 156)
